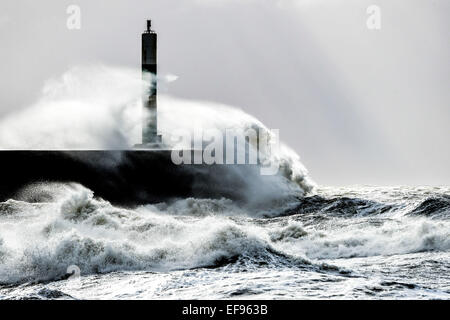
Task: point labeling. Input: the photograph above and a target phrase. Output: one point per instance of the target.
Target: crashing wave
(100, 238)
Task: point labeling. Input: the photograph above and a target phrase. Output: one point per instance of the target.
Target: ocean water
(359, 242)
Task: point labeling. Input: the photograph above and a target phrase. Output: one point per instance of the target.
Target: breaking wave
(363, 238)
(99, 238)
(100, 108)
(39, 241)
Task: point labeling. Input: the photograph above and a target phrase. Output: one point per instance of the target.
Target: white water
(99, 107)
(40, 241)
(258, 249)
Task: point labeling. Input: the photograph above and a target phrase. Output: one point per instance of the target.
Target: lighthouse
(150, 135)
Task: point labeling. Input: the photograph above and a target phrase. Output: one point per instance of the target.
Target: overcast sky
(360, 106)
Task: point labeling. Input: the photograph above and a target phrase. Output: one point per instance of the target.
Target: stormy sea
(284, 238)
(340, 243)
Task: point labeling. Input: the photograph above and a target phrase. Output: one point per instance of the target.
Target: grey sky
(359, 106)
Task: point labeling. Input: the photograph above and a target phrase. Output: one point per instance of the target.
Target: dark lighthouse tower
(149, 73)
